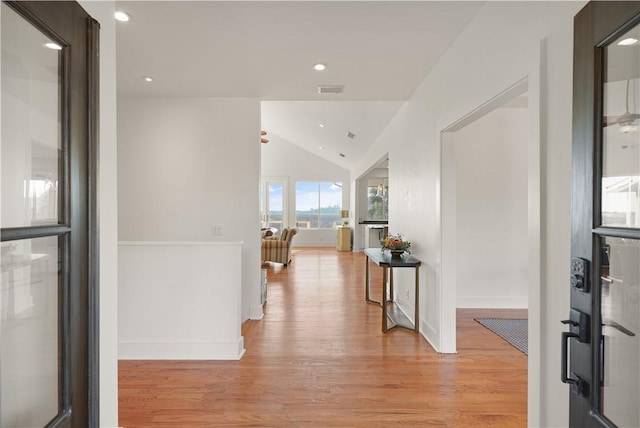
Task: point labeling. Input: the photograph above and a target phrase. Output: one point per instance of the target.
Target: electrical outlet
(216, 230)
(406, 294)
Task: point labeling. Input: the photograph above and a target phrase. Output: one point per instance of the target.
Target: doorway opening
(371, 205)
(491, 209)
(489, 197)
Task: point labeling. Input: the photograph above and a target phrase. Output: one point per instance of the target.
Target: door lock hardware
(579, 325)
(580, 274)
(620, 328)
(580, 328)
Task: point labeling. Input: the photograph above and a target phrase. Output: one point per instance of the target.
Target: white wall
(181, 285)
(500, 46)
(491, 210)
(283, 160)
(185, 164)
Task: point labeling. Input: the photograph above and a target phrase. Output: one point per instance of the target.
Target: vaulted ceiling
(379, 52)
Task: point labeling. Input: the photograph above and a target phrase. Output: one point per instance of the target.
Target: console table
(392, 316)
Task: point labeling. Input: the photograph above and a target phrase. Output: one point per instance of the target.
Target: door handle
(578, 385)
(566, 335)
(579, 328)
(620, 328)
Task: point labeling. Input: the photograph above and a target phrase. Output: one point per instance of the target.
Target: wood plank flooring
(319, 359)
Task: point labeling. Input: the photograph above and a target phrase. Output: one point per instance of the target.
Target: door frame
(443, 336)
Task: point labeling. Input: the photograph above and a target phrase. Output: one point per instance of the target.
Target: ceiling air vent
(330, 89)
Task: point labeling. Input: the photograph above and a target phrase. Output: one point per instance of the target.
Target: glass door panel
(29, 332)
(620, 343)
(273, 203)
(31, 140)
(619, 288)
(276, 205)
(48, 348)
(620, 135)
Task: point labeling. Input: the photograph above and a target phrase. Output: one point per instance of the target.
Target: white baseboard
(182, 350)
(429, 333)
(255, 312)
(426, 329)
(492, 302)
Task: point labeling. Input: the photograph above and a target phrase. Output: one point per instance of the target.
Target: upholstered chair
(278, 249)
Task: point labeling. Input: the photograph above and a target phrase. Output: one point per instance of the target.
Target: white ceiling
(299, 122)
(380, 51)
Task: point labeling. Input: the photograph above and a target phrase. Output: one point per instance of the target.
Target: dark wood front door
(601, 349)
(48, 300)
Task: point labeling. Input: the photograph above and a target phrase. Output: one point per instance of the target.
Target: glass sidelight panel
(30, 124)
(29, 333)
(620, 341)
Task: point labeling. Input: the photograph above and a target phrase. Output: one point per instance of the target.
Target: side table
(392, 316)
(343, 242)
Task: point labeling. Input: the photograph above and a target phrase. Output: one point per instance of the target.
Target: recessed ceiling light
(319, 67)
(122, 16)
(53, 46)
(147, 79)
(342, 155)
(628, 41)
(321, 125)
(320, 147)
(351, 135)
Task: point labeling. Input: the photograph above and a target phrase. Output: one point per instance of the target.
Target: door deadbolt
(580, 274)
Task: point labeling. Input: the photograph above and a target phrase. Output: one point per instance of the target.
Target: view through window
(318, 204)
(377, 199)
(272, 203)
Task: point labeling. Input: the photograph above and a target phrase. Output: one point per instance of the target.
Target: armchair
(278, 249)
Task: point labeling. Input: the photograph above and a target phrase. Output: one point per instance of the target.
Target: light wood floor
(319, 358)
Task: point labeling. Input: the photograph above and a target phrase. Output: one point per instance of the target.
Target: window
(377, 199)
(318, 204)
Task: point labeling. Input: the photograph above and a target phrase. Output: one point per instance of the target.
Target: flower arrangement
(395, 243)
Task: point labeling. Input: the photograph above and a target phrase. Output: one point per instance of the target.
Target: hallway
(319, 358)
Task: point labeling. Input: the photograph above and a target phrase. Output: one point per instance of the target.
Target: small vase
(396, 254)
